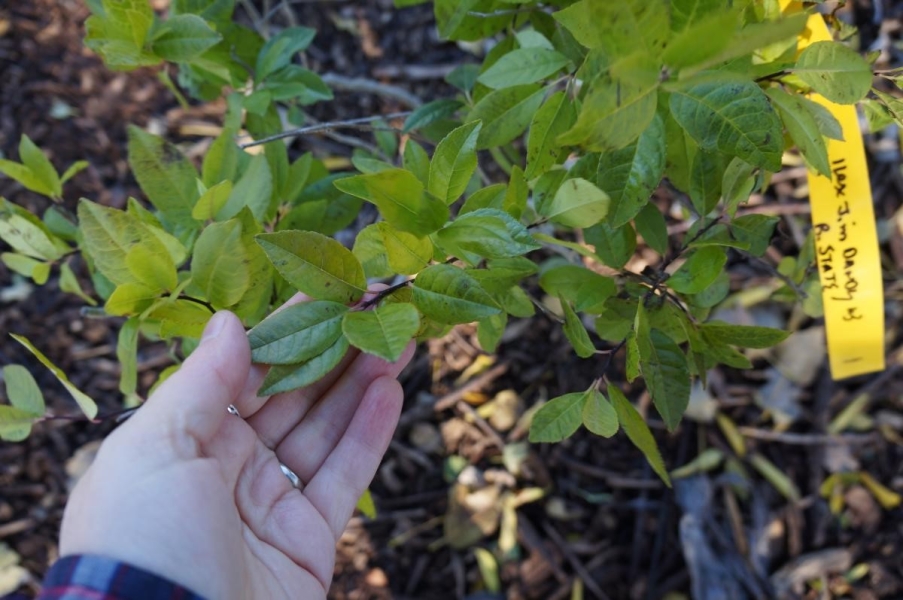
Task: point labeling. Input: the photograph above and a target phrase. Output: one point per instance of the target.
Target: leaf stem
(203, 303)
(382, 294)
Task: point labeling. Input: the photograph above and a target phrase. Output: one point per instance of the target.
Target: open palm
(192, 493)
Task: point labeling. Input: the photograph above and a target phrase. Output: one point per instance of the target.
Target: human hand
(187, 491)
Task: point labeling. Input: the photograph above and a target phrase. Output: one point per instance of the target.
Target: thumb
(195, 399)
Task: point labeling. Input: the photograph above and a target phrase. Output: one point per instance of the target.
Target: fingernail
(214, 326)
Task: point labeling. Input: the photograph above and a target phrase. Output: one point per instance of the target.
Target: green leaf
(737, 183)
(74, 169)
(613, 246)
(212, 10)
(492, 196)
(27, 266)
(803, 129)
(505, 114)
(131, 298)
(638, 432)
(523, 66)
(716, 350)
(630, 175)
(85, 403)
(686, 13)
(35, 160)
(284, 378)
(755, 230)
(699, 271)
(28, 235)
(454, 162)
(127, 355)
(747, 336)
(450, 14)
(834, 71)
(431, 112)
(180, 318)
(365, 502)
(576, 332)
(26, 177)
(751, 38)
(15, 424)
(828, 124)
(599, 416)
(464, 77)
(707, 174)
(617, 110)
(153, 269)
(577, 203)
(447, 294)
(486, 233)
(255, 303)
(154, 234)
(370, 250)
(731, 117)
(514, 300)
(279, 50)
(632, 361)
(400, 198)
(384, 332)
(555, 117)
(119, 34)
(22, 390)
(212, 201)
(503, 273)
(876, 114)
(133, 16)
(559, 418)
(297, 333)
(181, 38)
(220, 265)
(650, 223)
(298, 84)
(515, 201)
(775, 477)
(618, 28)
(701, 40)
(322, 207)
(406, 253)
(108, 235)
(664, 367)
(417, 161)
(586, 288)
(317, 265)
(254, 190)
(164, 174)
(616, 320)
(221, 160)
(490, 331)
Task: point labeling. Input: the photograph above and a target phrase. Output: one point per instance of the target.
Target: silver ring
(294, 479)
(233, 411)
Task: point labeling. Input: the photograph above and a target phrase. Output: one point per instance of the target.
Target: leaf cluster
(586, 108)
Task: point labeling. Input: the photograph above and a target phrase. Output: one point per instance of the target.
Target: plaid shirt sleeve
(88, 577)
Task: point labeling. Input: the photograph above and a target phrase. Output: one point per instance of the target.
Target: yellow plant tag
(846, 239)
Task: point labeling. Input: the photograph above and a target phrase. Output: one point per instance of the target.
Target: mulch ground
(460, 475)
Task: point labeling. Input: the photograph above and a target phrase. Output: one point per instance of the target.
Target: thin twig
(806, 439)
(571, 557)
(800, 292)
(320, 127)
(369, 86)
